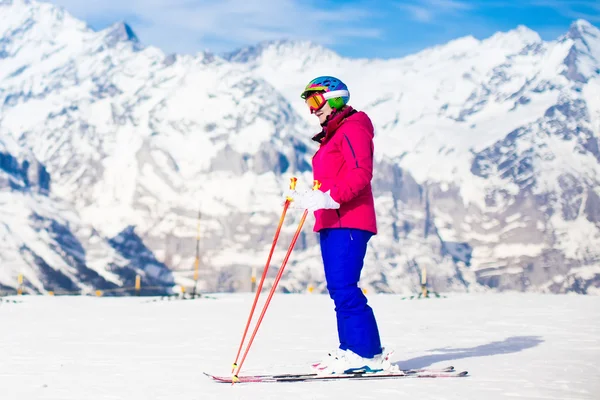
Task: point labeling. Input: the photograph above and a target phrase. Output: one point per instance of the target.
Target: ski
(449, 368)
(447, 372)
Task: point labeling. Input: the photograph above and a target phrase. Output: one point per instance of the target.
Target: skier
(345, 220)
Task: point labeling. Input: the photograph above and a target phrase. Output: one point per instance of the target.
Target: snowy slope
(518, 346)
(487, 151)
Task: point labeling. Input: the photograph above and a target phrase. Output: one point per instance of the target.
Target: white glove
(289, 195)
(313, 200)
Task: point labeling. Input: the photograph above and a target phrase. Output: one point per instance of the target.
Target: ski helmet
(329, 84)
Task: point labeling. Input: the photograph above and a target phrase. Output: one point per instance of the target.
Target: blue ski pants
(343, 251)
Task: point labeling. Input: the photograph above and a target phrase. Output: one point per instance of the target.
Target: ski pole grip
(293, 181)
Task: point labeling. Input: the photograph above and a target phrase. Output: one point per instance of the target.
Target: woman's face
(324, 112)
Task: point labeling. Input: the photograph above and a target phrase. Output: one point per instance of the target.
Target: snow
(520, 346)
(530, 250)
(576, 238)
(593, 100)
(19, 229)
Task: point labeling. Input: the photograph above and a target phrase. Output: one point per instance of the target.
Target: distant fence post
(424, 291)
(138, 285)
(20, 284)
(253, 280)
(197, 260)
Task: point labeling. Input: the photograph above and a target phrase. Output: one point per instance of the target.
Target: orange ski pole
(275, 283)
(264, 274)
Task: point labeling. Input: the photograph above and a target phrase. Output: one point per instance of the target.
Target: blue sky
(353, 28)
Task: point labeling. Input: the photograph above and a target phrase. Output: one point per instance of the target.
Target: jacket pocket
(339, 215)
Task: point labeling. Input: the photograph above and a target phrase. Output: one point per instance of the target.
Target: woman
(345, 219)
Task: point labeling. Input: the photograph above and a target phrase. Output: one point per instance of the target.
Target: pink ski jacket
(344, 164)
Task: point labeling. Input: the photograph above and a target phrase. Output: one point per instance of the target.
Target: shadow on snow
(513, 344)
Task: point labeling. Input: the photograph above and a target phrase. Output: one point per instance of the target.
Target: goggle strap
(335, 93)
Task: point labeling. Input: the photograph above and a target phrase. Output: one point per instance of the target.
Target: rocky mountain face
(487, 169)
(44, 239)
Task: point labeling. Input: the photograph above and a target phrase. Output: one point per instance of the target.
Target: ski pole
(235, 378)
(264, 274)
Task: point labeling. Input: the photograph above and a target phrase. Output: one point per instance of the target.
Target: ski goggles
(317, 100)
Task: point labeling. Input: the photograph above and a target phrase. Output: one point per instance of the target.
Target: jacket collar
(334, 121)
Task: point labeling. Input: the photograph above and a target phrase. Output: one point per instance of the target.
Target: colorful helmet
(333, 87)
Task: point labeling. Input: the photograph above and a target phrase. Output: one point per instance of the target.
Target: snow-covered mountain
(43, 238)
(488, 154)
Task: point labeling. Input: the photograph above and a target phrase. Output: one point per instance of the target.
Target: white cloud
(419, 13)
(429, 10)
(191, 25)
(449, 4)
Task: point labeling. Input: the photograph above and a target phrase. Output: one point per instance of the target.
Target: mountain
(47, 242)
(522, 190)
(487, 157)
